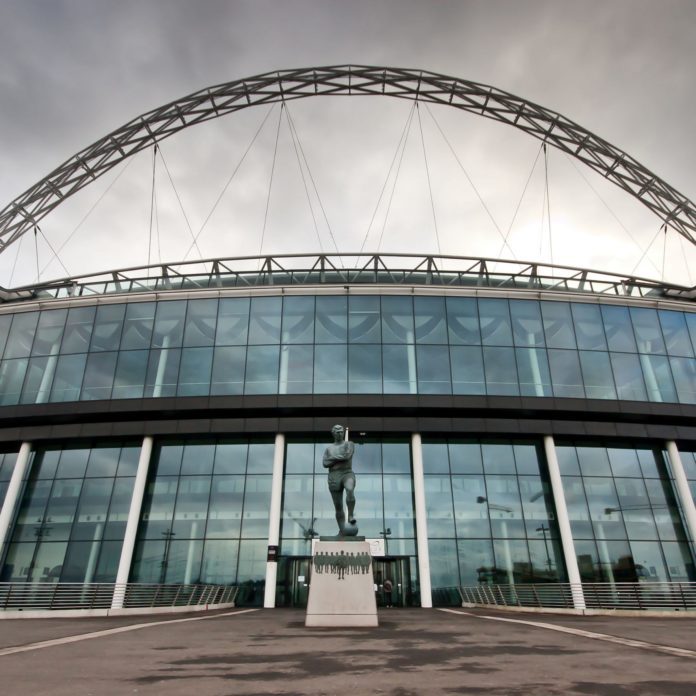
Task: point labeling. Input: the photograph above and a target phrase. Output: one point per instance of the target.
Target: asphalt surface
(414, 651)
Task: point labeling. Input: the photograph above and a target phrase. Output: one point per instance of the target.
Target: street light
(385, 533)
(543, 529)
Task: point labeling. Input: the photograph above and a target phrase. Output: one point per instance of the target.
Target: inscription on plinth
(341, 591)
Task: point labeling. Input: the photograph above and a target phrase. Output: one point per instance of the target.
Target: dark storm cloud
(72, 71)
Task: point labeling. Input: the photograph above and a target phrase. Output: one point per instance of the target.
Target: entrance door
(292, 588)
(397, 569)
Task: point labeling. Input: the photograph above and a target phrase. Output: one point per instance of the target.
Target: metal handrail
(69, 595)
(661, 596)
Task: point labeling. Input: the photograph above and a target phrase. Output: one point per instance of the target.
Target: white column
(274, 520)
(191, 553)
(132, 524)
(686, 501)
(571, 560)
(14, 491)
(421, 522)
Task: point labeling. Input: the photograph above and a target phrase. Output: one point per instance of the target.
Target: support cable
(396, 180)
(304, 179)
(231, 177)
(91, 210)
(36, 251)
(270, 179)
(152, 201)
(14, 265)
(609, 208)
(469, 179)
(386, 180)
(548, 199)
(291, 121)
(55, 254)
(181, 205)
(519, 205)
(427, 174)
(686, 263)
(647, 249)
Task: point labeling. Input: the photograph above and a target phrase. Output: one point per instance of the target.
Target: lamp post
(543, 529)
(504, 530)
(384, 534)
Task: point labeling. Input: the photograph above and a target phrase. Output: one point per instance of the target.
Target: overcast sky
(72, 71)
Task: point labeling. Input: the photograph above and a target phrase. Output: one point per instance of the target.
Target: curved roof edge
(350, 269)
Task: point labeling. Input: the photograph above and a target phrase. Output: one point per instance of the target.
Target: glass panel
(108, 325)
(233, 322)
(397, 320)
(501, 371)
(119, 508)
(49, 332)
(558, 325)
(299, 457)
(332, 320)
(618, 328)
(396, 457)
(597, 375)
(565, 373)
(30, 519)
(577, 508)
(194, 372)
(220, 562)
(78, 330)
(330, 369)
(264, 320)
(5, 322)
(169, 324)
(296, 514)
(131, 369)
(537, 505)
(364, 319)
(162, 372)
(60, 511)
(231, 457)
(471, 517)
(679, 562)
(149, 561)
(128, 463)
(605, 510)
(624, 461)
(533, 367)
(73, 463)
(364, 369)
(664, 510)
(226, 505)
(593, 461)
(257, 500)
(21, 335)
(648, 560)
(433, 370)
(504, 507)
(467, 370)
(567, 460)
(476, 561)
(463, 321)
(228, 370)
(431, 325)
(68, 380)
(137, 325)
(496, 329)
(201, 319)
(658, 378)
(296, 369)
(635, 508)
(684, 371)
(11, 379)
(262, 369)
(398, 507)
(198, 459)
(526, 323)
(676, 334)
(158, 507)
(512, 561)
(260, 458)
(298, 320)
(92, 512)
(438, 506)
(191, 508)
(690, 323)
(99, 376)
(647, 330)
(465, 457)
(399, 363)
(444, 570)
(628, 376)
(589, 330)
(37, 384)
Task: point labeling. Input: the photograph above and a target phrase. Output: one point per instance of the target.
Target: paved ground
(414, 651)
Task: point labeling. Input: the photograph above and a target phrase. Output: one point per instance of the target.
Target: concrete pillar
(571, 560)
(421, 522)
(132, 524)
(274, 521)
(14, 491)
(684, 497)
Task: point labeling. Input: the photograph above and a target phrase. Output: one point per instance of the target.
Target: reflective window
(463, 321)
(676, 333)
(201, 319)
(49, 332)
(364, 319)
(78, 330)
(618, 329)
(527, 326)
(108, 325)
(21, 337)
(494, 317)
(397, 320)
(431, 323)
(558, 325)
(298, 320)
(137, 325)
(233, 321)
(264, 320)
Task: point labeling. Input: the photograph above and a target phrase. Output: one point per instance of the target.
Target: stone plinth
(341, 592)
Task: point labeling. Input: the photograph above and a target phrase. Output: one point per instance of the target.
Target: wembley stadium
(525, 431)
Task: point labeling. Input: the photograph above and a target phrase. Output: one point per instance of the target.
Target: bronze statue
(338, 459)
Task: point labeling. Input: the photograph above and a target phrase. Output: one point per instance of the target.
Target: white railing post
(571, 559)
(684, 497)
(421, 522)
(14, 492)
(274, 522)
(132, 524)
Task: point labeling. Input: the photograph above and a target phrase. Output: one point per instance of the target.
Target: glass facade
(490, 513)
(623, 514)
(73, 515)
(7, 464)
(205, 515)
(384, 497)
(688, 459)
(396, 344)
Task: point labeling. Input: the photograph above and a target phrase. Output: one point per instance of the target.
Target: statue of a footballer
(338, 459)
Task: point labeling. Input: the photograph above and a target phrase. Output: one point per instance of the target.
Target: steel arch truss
(22, 214)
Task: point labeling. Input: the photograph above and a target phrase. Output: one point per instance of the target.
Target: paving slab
(413, 651)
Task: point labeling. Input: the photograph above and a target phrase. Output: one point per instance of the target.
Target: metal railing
(660, 596)
(68, 595)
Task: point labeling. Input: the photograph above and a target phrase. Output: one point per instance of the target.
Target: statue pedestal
(341, 592)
